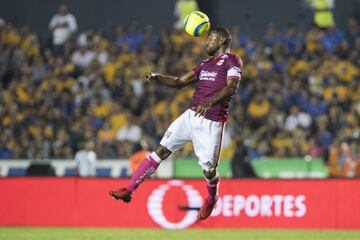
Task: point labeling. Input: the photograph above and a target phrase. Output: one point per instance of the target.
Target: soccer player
(217, 79)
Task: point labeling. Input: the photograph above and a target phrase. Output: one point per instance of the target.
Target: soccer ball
(196, 23)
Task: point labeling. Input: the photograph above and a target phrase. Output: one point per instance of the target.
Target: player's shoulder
(206, 60)
(233, 59)
(203, 61)
(232, 56)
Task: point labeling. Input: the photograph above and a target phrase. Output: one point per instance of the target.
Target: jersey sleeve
(196, 70)
(234, 67)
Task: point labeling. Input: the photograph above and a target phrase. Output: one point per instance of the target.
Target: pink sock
(212, 187)
(145, 169)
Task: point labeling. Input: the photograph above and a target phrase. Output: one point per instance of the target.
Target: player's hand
(202, 109)
(149, 76)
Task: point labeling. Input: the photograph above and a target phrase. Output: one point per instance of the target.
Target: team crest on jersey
(220, 62)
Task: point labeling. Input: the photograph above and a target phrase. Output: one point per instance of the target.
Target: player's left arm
(230, 89)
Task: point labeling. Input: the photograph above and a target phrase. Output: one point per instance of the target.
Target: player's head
(89, 145)
(218, 38)
(63, 9)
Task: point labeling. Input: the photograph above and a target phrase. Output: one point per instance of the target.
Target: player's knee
(163, 152)
(209, 174)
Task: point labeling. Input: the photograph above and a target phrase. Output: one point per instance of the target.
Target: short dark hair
(223, 32)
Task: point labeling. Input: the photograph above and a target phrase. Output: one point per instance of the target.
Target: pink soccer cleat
(121, 194)
(206, 209)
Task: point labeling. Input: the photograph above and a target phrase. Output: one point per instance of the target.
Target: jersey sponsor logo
(155, 205)
(208, 76)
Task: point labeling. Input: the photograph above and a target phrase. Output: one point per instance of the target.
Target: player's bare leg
(212, 183)
(147, 167)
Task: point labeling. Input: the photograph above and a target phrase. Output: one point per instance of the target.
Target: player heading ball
(203, 123)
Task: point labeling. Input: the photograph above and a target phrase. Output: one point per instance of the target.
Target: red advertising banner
(172, 204)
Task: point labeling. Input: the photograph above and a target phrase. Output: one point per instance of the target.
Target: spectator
(282, 144)
(240, 162)
(258, 109)
(293, 40)
(2, 22)
(324, 137)
(315, 107)
(323, 15)
(343, 158)
(139, 155)
(315, 150)
(182, 9)
(85, 38)
(62, 26)
(130, 132)
(297, 118)
(133, 38)
(331, 39)
(86, 160)
(6, 152)
(352, 31)
(83, 57)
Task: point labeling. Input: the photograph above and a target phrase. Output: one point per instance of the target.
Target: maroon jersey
(212, 74)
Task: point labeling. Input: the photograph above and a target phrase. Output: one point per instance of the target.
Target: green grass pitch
(31, 233)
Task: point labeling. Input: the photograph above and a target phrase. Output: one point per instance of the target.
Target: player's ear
(222, 40)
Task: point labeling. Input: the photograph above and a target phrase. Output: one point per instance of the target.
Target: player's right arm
(171, 81)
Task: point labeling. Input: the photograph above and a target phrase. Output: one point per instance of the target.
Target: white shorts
(206, 136)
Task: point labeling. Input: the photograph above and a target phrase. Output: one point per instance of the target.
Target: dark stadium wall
(101, 14)
(251, 15)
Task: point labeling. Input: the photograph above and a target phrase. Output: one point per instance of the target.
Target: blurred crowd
(300, 91)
